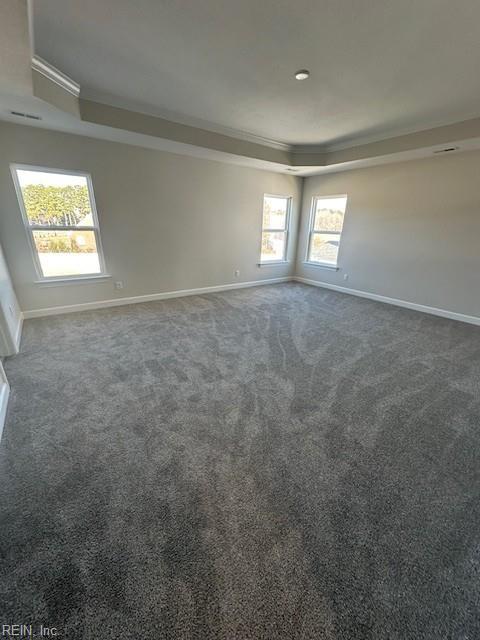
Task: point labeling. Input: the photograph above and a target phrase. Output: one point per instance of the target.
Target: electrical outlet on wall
(119, 284)
(237, 273)
(345, 276)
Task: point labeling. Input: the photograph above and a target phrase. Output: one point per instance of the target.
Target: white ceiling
(378, 67)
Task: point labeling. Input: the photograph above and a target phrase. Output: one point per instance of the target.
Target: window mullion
(63, 227)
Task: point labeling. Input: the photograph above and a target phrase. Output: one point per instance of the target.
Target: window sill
(67, 281)
(322, 265)
(273, 263)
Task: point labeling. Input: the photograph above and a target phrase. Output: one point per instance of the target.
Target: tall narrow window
(59, 213)
(276, 217)
(326, 229)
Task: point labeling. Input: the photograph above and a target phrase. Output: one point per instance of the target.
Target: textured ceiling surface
(378, 68)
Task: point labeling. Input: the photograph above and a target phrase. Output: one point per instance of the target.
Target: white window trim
(318, 263)
(29, 229)
(322, 265)
(286, 231)
(273, 263)
(56, 282)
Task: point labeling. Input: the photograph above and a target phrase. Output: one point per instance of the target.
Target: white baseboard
(4, 394)
(118, 302)
(452, 315)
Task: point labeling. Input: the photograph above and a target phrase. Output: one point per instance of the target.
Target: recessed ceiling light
(303, 74)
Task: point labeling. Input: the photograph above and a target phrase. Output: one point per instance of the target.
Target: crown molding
(361, 140)
(300, 154)
(179, 118)
(188, 133)
(136, 122)
(55, 75)
(309, 148)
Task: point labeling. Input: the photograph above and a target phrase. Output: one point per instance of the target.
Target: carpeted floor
(278, 462)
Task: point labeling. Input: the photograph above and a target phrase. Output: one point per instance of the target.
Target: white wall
(10, 314)
(168, 222)
(411, 231)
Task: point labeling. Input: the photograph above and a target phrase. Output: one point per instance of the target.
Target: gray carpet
(279, 462)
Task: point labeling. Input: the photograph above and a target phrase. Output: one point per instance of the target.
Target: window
(59, 214)
(326, 229)
(276, 216)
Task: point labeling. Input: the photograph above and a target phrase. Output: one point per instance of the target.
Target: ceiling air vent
(19, 114)
(447, 150)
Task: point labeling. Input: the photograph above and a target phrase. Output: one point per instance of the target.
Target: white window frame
(29, 228)
(286, 230)
(312, 231)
